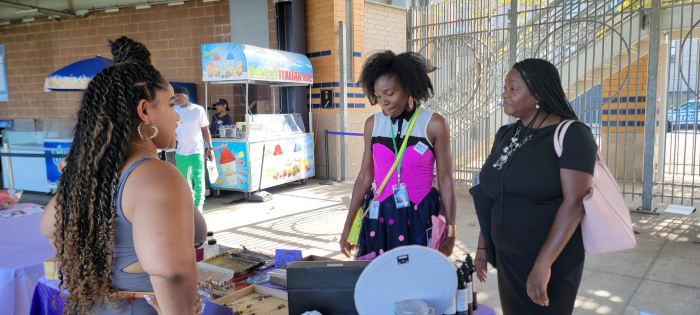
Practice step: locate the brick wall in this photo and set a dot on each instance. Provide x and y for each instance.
(322, 19)
(621, 130)
(385, 28)
(172, 34)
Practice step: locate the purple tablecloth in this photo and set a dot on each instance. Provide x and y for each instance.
(23, 251)
(42, 302)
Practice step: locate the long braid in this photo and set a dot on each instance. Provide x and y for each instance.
(85, 205)
(543, 81)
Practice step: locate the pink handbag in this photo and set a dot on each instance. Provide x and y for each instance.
(606, 225)
(438, 232)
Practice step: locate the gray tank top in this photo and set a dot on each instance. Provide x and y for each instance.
(124, 254)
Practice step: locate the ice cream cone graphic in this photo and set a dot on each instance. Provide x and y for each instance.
(228, 165)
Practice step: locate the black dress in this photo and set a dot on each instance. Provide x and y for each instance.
(528, 194)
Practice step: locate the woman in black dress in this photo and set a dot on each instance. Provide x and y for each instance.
(538, 197)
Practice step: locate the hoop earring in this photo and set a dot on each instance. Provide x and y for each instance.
(141, 135)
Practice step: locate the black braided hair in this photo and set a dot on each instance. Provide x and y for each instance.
(410, 68)
(543, 81)
(126, 49)
(85, 209)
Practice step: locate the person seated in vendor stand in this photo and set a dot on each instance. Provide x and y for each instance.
(402, 213)
(123, 221)
(221, 118)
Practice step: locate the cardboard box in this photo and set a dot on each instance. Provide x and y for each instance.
(278, 277)
(326, 287)
(268, 305)
(50, 269)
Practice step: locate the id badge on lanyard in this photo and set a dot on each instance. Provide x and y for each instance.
(400, 191)
(401, 196)
(374, 210)
(374, 205)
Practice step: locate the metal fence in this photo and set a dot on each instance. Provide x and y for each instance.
(615, 57)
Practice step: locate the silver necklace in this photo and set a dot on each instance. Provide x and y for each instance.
(514, 145)
(510, 149)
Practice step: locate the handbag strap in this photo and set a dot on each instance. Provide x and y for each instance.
(559, 138)
(559, 135)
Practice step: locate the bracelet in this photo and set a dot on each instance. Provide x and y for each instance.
(451, 231)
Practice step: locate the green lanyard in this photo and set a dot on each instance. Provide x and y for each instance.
(396, 150)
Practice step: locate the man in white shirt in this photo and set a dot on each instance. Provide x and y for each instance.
(192, 132)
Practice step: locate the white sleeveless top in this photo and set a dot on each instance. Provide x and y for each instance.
(382, 126)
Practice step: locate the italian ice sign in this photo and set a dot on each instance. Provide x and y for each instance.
(234, 62)
(55, 165)
(285, 160)
(222, 62)
(231, 164)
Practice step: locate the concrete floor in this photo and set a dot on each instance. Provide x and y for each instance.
(661, 276)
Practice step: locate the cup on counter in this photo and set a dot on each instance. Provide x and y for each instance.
(413, 307)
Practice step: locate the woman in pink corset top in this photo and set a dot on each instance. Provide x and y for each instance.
(399, 84)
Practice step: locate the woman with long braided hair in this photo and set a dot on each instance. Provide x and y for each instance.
(537, 196)
(121, 241)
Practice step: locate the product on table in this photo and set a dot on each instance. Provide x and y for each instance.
(242, 262)
(463, 296)
(470, 265)
(9, 198)
(211, 249)
(470, 283)
(228, 165)
(413, 307)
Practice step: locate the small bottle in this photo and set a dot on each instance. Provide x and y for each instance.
(470, 265)
(453, 307)
(211, 249)
(210, 235)
(470, 284)
(462, 293)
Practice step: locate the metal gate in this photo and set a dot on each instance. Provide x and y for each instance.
(614, 57)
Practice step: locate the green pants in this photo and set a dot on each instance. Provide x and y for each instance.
(192, 167)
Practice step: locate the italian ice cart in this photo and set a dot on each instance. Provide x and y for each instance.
(269, 149)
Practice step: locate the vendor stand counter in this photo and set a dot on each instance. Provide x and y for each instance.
(36, 172)
(273, 149)
(279, 152)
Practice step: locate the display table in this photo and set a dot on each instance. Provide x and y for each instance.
(42, 302)
(47, 289)
(23, 251)
(484, 310)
